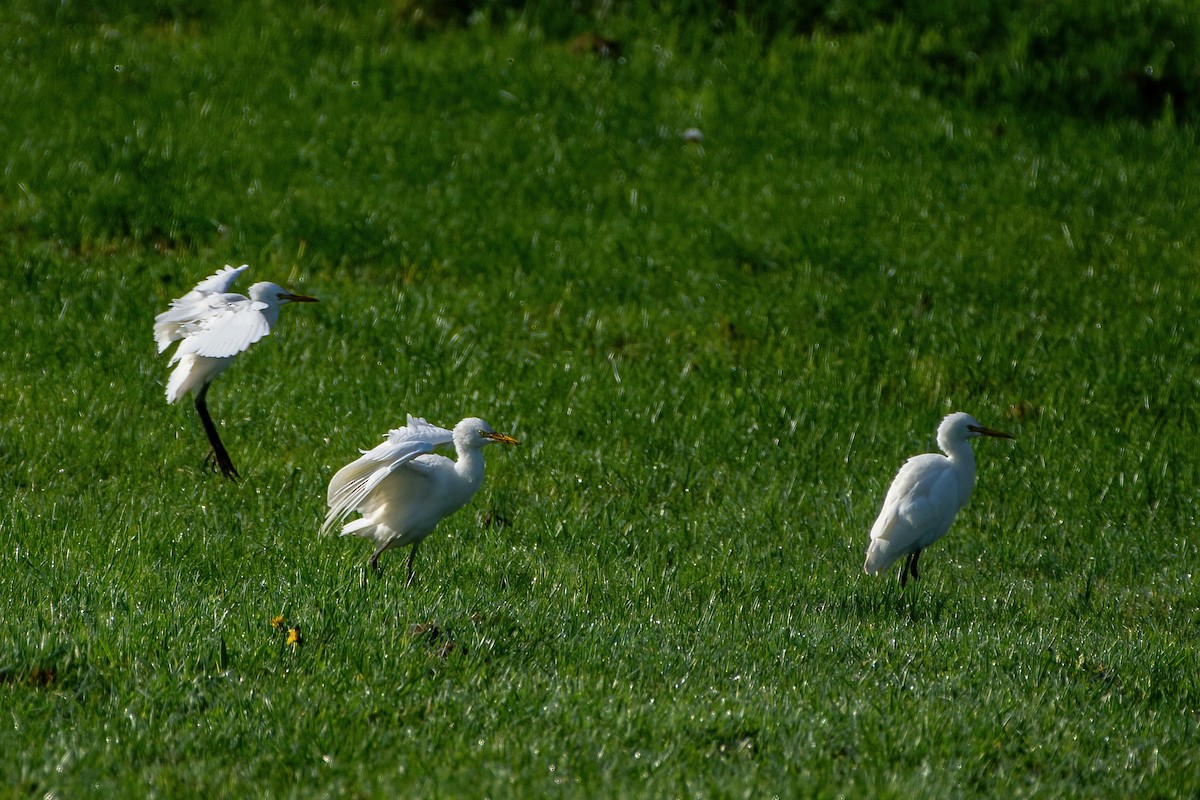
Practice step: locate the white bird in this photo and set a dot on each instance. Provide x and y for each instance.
(403, 489)
(212, 326)
(925, 496)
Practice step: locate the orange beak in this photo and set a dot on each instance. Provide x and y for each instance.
(500, 438)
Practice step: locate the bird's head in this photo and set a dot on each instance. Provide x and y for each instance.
(959, 427)
(275, 295)
(474, 432)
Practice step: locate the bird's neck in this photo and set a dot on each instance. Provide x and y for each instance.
(271, 314)
(962, 457)
(469, 465)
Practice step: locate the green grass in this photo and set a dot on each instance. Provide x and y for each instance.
(716, 354)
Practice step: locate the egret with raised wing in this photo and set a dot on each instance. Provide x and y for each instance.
(925, 496)
(212, 325)
(403, 489)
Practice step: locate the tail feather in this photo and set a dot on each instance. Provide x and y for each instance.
(179, 377)
(879, 557)
(192, 374)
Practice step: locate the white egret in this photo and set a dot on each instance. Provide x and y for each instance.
(403, 489)
(212, 325)
(925, 496)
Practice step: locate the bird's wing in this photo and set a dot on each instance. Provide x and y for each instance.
(354, 482)
(230, 325)
(921, 502)
(220, 281)
(185, 312)
(418, 428)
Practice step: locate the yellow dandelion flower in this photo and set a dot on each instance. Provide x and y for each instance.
(277, 621)
(293, 637)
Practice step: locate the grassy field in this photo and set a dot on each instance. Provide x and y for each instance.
(716, 354)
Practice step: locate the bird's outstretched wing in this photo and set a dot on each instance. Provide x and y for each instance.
(230, 324)
(418, 428)
(918, 509)
(354, 482)
(173, 324)
(220, 281)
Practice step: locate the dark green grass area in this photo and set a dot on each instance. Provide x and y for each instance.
(716, 354)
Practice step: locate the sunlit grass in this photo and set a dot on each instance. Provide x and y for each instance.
(716, 355)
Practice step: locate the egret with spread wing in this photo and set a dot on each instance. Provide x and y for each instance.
(212, 325)
(925, 496)
(403, 489)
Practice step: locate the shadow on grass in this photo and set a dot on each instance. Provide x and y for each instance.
(872, 601)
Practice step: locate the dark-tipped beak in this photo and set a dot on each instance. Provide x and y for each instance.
(500, 438)
(982, 431)
(297, 298)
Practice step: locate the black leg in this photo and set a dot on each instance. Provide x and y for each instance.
(412, 557)
(909, 567)
(219, 453)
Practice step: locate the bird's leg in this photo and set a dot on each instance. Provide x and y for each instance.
(912, 565)
(412, 556)
(375, 559)
(904, 570)
(219, 454)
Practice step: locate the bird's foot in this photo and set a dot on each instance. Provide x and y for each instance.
(220, 461)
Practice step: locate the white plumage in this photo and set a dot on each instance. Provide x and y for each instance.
(212, 325)
(185, 312)
(403, 489)
(925, 496)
